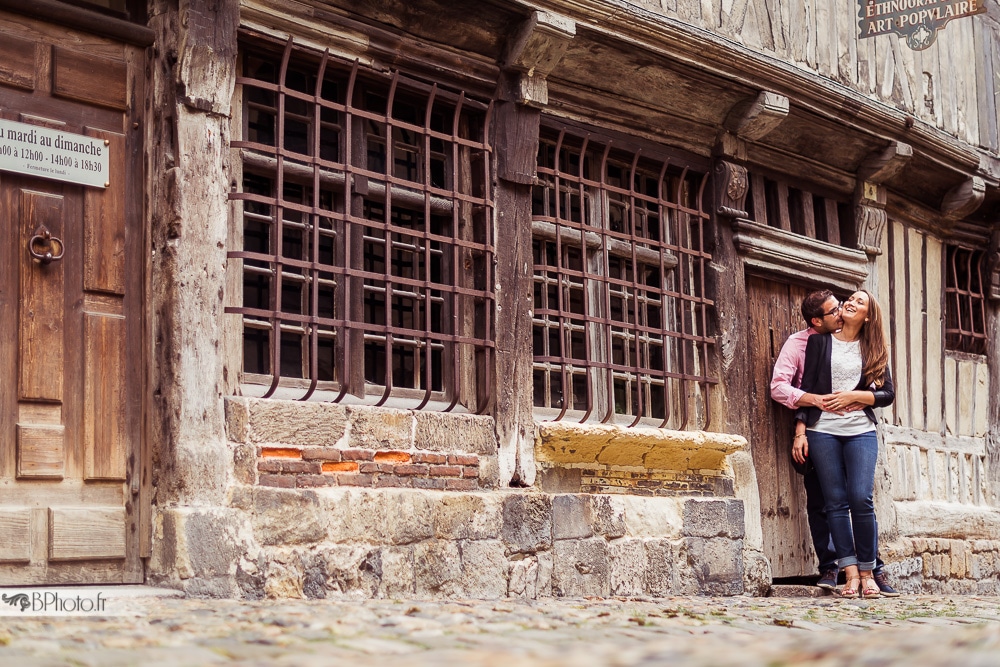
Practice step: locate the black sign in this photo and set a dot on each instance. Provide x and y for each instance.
(916, 20)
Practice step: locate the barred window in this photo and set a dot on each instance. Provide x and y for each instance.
(367, 234)
(781, 205)
(965, 302)
(621, 325)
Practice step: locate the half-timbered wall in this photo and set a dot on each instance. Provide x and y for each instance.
(821, 36)
(935, 432)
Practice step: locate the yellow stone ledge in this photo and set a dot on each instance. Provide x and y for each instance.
(650, 448)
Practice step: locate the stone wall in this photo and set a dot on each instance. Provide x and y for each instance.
(299, 523)
(929, 565)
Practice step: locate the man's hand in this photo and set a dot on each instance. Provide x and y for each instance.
(845, 401)
(820, 401)
(800, 448)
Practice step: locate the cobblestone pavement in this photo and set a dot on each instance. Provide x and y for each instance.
(912, 630)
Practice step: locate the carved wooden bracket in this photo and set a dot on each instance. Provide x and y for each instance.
(883, 165)
(751, 119)
(532, 53)
(731, 186)
(870, 222)
(963, 199)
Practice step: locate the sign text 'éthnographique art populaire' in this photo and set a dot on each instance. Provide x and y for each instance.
(917, 21)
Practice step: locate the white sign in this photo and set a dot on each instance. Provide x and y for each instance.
(46, 153)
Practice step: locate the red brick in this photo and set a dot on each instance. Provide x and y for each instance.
(300, 467)
(468, 471)
(392, 457)
(386, 467)
(369, 467)
(383, 481)
(354, 480)
(311, 481)
(428, 483)
(321, 453)
(446, 471)
(430, 458)
(463, 459)
(461, 484)
(281, 453)
(343, 466)
(270, 465)
(410, 470)
(280, 481)
(357, 455)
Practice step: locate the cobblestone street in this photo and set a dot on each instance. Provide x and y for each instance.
(913, 630)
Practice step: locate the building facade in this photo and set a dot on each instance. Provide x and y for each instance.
(389, 299)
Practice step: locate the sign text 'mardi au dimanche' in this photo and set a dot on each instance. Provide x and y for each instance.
(918, 21)
(47, 153)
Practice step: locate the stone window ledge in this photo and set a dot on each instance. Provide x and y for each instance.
(569, 444)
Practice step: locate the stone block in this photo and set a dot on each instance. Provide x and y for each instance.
(283, 516)
(437, 568)
(608, 516)
(659, 567)
(557, 479)
(580, 568)
(245, 463)
(445, 432)
(713, 518)
(527, 522)
(283, 575)
(409, 516)
(571, 517)
(468, 516)
(522, 577)
(959, 559)
(484, 569)
(717, 564)
(543, 584)
(380, 428)
(355, 515)
(398, 572)
(295, 422)
(756, 573)
(237, 419)
(489, 472)
(627, 567)
(199, 550)
(352, 570)
(659, 517)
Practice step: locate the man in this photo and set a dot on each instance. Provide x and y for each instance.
(821, 311)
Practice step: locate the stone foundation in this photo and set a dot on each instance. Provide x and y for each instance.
(306, 517)
(938, 565)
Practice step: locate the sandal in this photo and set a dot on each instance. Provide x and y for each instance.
(869, 588)
(851, 588)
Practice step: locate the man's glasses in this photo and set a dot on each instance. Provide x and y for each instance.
(834, 311)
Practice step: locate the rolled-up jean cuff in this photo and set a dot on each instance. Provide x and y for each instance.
(847, 561)
(866, 567)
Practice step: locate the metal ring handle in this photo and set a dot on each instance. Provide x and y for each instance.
(40, 247)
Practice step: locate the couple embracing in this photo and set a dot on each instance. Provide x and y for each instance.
(833, 374)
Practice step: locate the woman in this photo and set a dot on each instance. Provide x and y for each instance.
(849, 372)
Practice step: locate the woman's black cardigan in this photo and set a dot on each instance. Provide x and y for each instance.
(816, 380)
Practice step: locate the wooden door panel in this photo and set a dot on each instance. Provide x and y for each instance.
(91, 533)
(41, 451)
(104, 225)
(15, 535)
(105, 443)
(40, 336)
(773, 314)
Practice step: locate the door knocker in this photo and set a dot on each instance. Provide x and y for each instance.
(45, 248)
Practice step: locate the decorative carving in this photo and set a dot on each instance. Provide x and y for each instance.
(751, 119)
(533, 51)
(731, 186)
(993, 266)
(870, 223)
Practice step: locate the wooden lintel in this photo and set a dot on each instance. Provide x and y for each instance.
(882, 165)
(752, 119)
(539, 43)
(523, 88)
(963, 199)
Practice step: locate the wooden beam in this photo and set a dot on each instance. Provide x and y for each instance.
(963, 199)
(539, 43)
(882, 165)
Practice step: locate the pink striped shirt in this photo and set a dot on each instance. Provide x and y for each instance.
(787, 375)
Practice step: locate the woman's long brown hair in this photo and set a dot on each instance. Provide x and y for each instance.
(874, 352)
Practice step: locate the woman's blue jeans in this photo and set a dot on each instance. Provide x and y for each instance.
(845, 465)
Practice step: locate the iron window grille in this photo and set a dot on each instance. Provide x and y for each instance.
(367, 234)
(621, 328)
(965, 301)
(781, 205)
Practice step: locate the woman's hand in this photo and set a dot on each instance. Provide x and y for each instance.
(800, 448)
(846, 401)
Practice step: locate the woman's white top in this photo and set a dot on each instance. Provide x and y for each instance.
(845, 374)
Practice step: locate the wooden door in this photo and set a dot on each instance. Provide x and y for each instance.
(71, 352)
(773, 311)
